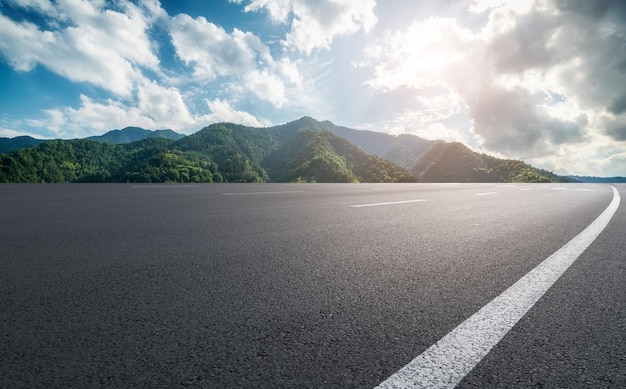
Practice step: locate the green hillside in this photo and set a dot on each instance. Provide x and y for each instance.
(321, 156)
(7, 145)
(304, 150)
(148, 160)
(222, 152)
(455, 162)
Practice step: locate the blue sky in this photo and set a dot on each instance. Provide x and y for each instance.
(537, 80)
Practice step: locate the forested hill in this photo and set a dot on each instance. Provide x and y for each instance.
(304, 150)
(222, 152)
(133, 134)
(20, 142)
(455, 162)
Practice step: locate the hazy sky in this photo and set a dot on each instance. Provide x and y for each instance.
(543, 81)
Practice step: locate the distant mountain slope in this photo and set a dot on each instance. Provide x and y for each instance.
(221, 152)
(125, 135)
(302, 150)
(455, 162)
(402, 149)
(7, 145)
(322, 156)
(406, 149)
(133, 134)
(590, 179)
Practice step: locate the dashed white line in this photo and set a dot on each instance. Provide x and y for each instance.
(387, 203)
(485, 194)
(446, 362)
(578, 189)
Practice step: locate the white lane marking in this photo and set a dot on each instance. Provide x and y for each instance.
(485, 194)
(446, 362)
(260, 193)
(578, 189)
(388, 203)
(526, 189)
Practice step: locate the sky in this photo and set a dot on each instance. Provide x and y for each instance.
(543, 81)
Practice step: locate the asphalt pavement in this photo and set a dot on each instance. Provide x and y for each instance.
(299, 285)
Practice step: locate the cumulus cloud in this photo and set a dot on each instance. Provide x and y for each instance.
(533, 79)
(212, 51)
(222, 111)
(95, 45)
(241, 57)
(315, 23)
(156, 107)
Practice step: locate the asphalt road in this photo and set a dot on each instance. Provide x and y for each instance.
(298, 285)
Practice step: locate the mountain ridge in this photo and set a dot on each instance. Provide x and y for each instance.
(304, 150)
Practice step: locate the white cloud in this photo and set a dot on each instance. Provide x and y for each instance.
(266, 86)
(97, 45)
(211, 50)
(98, 117)
(157, 107)
(164, 106)
(540, 79)
(222, 111)
(315, 23)
(240, 59)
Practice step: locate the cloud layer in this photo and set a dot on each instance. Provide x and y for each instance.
(536, 79)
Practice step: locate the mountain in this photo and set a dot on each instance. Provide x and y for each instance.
(322, 156)
(305, 150)
(590, 179)
(133, 134)
(222, 152)
(125, 135)
(455, 162)
(402, 149)
(9, 144)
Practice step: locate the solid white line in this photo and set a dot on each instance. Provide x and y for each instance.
(389, 203)
(485, 194)
(446, 362)
(259, 193)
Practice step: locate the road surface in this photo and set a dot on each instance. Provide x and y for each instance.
(301, 285)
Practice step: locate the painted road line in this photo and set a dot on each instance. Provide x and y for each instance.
(578, 189)
(388, 203)
(446, 362)
(485, 194)
(526, 189)
(260, 193)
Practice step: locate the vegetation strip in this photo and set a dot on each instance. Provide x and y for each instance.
(446, 362)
